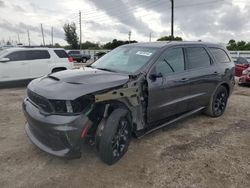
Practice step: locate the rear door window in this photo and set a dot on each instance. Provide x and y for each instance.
(38, 54)
(17, 56)
(61, 53)
(197, 57)
(220, 55)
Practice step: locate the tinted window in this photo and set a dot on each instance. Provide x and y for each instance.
(17, 56)
(61, 53)
(74, 52)
(171, 61)
(220, 55)
(37, 54)
(197, 57)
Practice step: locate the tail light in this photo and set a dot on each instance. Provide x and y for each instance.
(70, 59)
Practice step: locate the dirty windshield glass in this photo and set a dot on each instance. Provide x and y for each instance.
(125, 59)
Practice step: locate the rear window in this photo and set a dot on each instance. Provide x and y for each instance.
(61, 53)
(220, 55)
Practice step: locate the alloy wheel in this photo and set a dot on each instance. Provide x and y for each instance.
(121, 138)
(220, 102)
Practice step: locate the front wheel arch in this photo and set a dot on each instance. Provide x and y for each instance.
(112, 133)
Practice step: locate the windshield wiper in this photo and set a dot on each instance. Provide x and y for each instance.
(104, 69)
(169, 64)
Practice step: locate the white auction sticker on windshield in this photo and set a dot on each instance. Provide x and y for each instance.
(144, 53)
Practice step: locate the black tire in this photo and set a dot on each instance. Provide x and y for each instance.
(218, 102)
(115, 138)
(84, 60)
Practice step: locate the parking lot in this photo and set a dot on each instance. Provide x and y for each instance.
(197, 152)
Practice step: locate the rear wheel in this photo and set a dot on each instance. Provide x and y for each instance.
(218, 102)
(84, 60)
(115, 138)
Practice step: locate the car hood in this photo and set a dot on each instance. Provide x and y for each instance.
(71, 84)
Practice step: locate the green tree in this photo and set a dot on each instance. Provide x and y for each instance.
(115, 43)
(169, 38)
(232, 45)
(71, 35)
(241, 45)
(247, 46)
(57, 45)
(90, 45)
(232, 41)
(238, 45)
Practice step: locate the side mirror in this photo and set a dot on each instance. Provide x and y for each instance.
(153, 77)
(3, 60)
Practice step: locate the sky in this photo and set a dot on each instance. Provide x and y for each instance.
(103, 20)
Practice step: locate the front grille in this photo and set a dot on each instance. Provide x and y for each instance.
(40, 101)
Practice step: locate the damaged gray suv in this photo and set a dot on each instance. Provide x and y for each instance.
(133, 90)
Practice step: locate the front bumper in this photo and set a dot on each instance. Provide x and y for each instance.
(55, 134)
(245, 79)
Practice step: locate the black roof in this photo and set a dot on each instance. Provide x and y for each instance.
(160, 44)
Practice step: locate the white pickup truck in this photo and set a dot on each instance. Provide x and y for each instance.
(20, 64)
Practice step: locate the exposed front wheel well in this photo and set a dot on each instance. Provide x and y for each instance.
(103, 109)
(57, 69)
(116, 104)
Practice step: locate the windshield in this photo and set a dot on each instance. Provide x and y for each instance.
(126, 59)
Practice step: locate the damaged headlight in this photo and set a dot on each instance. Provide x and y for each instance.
(78, 105)
(82, 104)
(59, 106)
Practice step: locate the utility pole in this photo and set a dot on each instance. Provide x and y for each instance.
(129, 36)
(172, 18)
(42, 34)
(150, 37)
(18, 37)
(80, 22)
(28, 32)
(52, 42)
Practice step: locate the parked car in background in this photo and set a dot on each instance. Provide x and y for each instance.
(245, 77)
(236, 54)
(78, 56)
(20, 64)
(134, 89)
(99, 55)
(241, 64)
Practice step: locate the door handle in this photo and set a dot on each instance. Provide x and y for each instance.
(184, 79)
